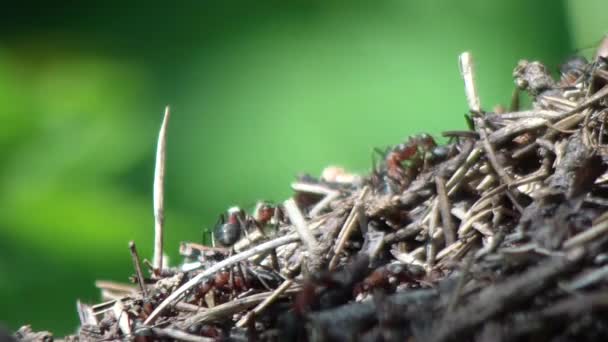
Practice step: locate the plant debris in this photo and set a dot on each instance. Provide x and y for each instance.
(500, 234)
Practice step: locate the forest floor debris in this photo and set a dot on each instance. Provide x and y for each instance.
(499, 234)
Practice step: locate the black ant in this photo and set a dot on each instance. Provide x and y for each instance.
(229, 227)
(235, 223)
(573, 70)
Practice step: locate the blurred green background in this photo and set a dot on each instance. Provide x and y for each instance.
(259, 93)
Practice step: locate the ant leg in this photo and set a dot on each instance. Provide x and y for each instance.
(243, 275)
(243, 227)
(231, 284)
(514, 107)
(275, 261)
(259, 278)
(257, 227)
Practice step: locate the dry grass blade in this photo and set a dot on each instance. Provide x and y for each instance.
(159, 191)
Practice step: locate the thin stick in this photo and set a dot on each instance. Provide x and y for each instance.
(261, 248)
(86, 314)
(137, 265)
(453, 182)
(159, 192)
(431, 249)
(265, 303)
(329, 195)
(467, 71)
(230, 308)
(446, 217)
(124, 323)
(114, 286)
(297, 219)
(347, 229)
(453, 302)
(588, 235)
(179, 335)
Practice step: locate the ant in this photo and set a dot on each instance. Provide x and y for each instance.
(229, 227)
(236, 222)
(575, 68)
(403, 162)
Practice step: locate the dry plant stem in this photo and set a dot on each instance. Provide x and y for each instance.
(230, 308)
(497, 298)
(159, 192)
(265, 303)
(588, 235)
(297, 219)
(587, 279)
(179, 335)
(446, 216)
(188, 307)
(114, 286)
(599, 95)
(491, 155)
(453, 182)
(467, 71)
(432, 227)
(86, 314)
(187, 248)
(566, 122)
(347, 228)
(470, 222)
(261, 248)
(462, 280)
(525, 114)
(329, 195)
(123, 318)
(137, 266)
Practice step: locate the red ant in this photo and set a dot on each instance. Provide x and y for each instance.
(239, 278)
(403, 162)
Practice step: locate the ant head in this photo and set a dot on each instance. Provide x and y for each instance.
(426, 141)
(235, 215)
(264, 211)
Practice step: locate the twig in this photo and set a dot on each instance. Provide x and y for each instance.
(446, 216)
(230, 308)
(191, 248)
(114, 286)
(568, 119)
(462, 280)
(588, 235)
(497, 298)
(328, 195)
(431, 249)
(159, 192)
(137, 266)
(587, 279)
(297, 219)
(347, 229)
(122, 317)
(86, 314)
(261, 248)
(177, 335)
(469, 223)
(265, 303)
(453, 182)
(467, 71)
